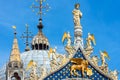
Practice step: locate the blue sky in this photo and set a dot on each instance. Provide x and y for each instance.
(100, 17)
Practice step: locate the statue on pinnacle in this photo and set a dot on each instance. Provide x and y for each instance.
(77, 14)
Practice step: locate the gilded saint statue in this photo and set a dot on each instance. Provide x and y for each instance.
(77, 14)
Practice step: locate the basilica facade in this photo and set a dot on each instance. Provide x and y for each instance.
(43, 62)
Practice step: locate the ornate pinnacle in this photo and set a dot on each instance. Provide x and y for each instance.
(15, 53)
(40, 26)
(42, 8)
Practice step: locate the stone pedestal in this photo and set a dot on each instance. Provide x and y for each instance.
(78, 41)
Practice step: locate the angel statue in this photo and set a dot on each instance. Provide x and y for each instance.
(33, 75)
(77, 14)
(69, 48)
(104, 66)
(90, 39)
(53, 63)
(104, 55)
(57, 59)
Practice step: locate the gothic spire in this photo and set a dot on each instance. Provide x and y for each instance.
(15, 53)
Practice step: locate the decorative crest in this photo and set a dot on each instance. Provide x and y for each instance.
(27, 36)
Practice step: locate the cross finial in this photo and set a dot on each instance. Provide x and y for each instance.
(27, 35)
(42, 8)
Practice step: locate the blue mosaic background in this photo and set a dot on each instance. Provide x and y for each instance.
(64, 72)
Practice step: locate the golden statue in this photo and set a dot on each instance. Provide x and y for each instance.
(69, 48)
(31, 64)
(104, 66)
(51, 51)
(80, 64)
(104, 55)
(90, 39)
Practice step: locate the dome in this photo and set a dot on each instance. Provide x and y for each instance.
(40, 42)
(39, 56)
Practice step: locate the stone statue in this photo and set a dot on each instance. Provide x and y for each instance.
(95, 60)
(114, 74)
(57, 60)
(77, 15)
(53, 61)
(63, 60)
(53, 65)
(43, 72)
(33, 74)
(33, 66)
